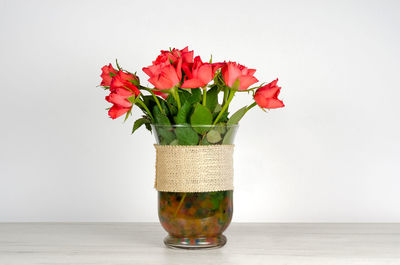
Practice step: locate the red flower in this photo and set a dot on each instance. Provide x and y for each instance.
(166, 70)
(115, 111)
(232, 71)
(173, 56)
(105, 75)
(267, 96)
(216, 66)
(165, 75)
(167, 58)
(121, 88)
(198, 74)
(121, 83)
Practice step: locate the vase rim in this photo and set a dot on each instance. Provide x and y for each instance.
(188, 125)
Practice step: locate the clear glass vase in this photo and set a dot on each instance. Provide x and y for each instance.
(195, 220)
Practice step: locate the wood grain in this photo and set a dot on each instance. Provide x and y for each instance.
(141, 243)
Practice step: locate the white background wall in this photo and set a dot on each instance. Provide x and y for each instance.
(332, 155)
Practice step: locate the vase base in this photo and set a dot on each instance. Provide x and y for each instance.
(195, 243)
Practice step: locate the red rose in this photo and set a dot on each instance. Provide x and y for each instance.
(173, 56)
(166, 70)
(216, 66)
(115, 111)
(198, 74)
(105, 75)
(121, 83)
(232, 71)
(169, 57)
(165, 76)
(121, 88)
(267, 96)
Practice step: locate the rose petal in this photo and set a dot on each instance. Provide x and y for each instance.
(270, 103)
(116, 111)
(161, 82)
(245, 81)
(193, 83)
(205, 73)
(230, 72)
(119, 100)
(251, 71)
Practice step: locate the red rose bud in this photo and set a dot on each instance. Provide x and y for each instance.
(267, 96)
(120, 84)
(198, 74)
(120, 90)
(232, 71)
(115, 111)
(106, 76)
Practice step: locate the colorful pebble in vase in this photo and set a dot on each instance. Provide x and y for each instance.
(195, 219)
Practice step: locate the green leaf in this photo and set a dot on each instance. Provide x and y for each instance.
(214, 136)
(235, 118)
(131, 99)
(221, 128)
(223, 118)
(183, 113)
(159, 117)
(228, 138)
(148, 127)
(172, 109)
(127, 114)
(174, 142)
(217, 108)
(201, 116)
(116, 62)
(165, 108)
(212, 98)
(170, 99)
(166, 132)
(196, 96)
(183, 95)
(186, 136)
(135, 82)
(149, 101)
(138, 123)
(236, 85)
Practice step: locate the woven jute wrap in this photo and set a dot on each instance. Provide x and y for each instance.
(201, 168)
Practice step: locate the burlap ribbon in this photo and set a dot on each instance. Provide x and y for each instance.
(200, 168)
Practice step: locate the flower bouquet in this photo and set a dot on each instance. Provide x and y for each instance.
(187, 109)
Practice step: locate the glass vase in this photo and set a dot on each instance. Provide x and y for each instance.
(195, 220)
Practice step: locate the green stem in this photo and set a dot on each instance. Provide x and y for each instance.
(225, 107)
(247, 90)
(175, 94)
(156, 100)
(145, 87)
(204, 95)
(145, 107)
(226, 93)
(251, 106)
(180, 204)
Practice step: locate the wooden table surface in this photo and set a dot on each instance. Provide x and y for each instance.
(141, 243)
